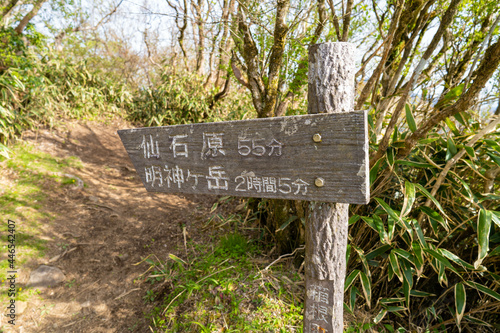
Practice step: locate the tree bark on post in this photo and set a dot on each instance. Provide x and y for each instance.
(331, 90)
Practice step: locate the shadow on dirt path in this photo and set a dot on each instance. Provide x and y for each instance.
(101, 233)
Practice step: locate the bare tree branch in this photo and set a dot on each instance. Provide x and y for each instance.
(27, 18)
(446, 21)
(7, 10)
(484, 72)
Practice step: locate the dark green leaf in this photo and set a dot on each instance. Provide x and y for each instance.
(470, 151)
(483, 235)
(388, 209)
(484, 289)
(419, 258)
(284, 225)
(396, 308)
(418, 293)
(374, 171)
(353, 219)
(377, 252)
(393, 261)
(391, 300)
(409, 119)
(452, 126)
(495, 252)
(434, 201)
(402, 253)
(495, 158)
(442, 278)
(456, 259)
(493, 144)
(434, 218)
(407, 272)
(369, 221)
(352, 297)
(460, 298)
(439, 257)
(420, 233)
(459, 118)
(367, 288)
(378, 318)
(427, 140)
(495, 216)
(451, 149)
(414, 164)
(350, 279)
(477, 321)
(377, 221)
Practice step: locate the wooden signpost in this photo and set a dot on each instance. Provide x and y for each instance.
(313, 157)
(321, 157)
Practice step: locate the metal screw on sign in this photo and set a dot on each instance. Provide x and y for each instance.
(319, 182)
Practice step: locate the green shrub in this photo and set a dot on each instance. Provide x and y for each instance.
(428, 257)
(38, 86)
(180, 98)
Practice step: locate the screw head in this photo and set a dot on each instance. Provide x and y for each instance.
(319, 182)
(317, 137)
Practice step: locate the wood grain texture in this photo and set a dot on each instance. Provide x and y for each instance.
(266, 158)
(331, 89)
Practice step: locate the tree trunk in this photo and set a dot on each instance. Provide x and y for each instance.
(200, 48)
(331, 90)
(27, 18)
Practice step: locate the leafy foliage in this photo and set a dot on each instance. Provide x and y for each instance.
(417, 248)
(180, 98)
(39, 86)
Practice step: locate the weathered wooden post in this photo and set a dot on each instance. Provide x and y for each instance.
(331, 90)
(320, 157)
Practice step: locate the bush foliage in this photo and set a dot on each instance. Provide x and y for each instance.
(180, 98)
(39, 86)
(427, 247)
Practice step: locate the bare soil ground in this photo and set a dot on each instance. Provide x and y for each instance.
(101, 233)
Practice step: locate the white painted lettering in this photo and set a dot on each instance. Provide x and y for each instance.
(269, 184)
(239, 187)
(195, 176)
(283, 187)
(257, 149)
(179, 148)
(150, 147)
(275, 144)
(243, 149)
(300, 183)
(212, 145)
(217, 179)
(153, 174)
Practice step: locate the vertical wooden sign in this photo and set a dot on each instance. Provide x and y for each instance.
(331, 90)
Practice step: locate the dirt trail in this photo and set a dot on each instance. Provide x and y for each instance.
(100, 233)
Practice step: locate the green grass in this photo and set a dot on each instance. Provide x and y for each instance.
(27, 179)
(219, 287)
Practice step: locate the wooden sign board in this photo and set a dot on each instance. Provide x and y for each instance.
(322, 157)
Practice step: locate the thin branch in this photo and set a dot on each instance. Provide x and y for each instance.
(446, 21)
(485, 41)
